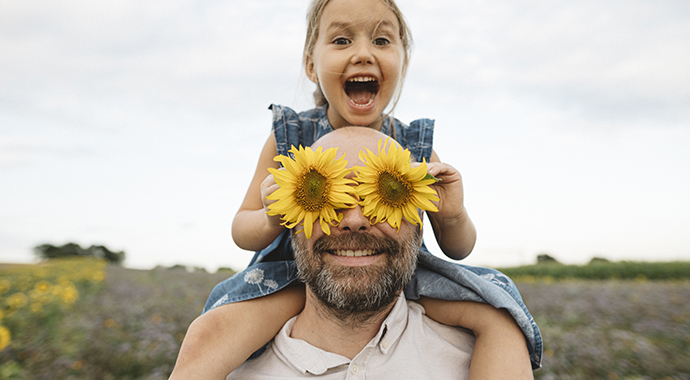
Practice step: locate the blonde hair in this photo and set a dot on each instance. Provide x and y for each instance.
(314, 17)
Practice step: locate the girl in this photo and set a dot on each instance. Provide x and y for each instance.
(356, 52)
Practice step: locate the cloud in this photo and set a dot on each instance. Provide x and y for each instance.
(153, 63)
(18, 152)
(145, 64)
(170, 97)
(601, 60)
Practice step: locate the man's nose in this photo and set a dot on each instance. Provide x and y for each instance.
(354, 220)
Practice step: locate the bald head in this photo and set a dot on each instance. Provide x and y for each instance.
(350, 141)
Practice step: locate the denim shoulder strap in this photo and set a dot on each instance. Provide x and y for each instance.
(294, 129)
(418, 137)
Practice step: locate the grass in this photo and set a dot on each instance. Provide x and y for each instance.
(128, 324)
(630, 270)
(613, 329)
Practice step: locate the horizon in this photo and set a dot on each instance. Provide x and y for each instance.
(137, 125)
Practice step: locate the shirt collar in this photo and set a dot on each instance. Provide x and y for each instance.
(306, 358)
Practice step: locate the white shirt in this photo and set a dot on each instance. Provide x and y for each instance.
(409, 345)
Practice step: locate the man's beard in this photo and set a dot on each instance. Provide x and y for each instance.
(357, 292)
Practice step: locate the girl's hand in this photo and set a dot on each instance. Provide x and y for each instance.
(454, 231)
(450, 191)
(268, 186)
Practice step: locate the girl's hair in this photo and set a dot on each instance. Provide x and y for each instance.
(314, 17)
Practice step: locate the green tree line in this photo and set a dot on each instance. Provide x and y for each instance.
(49, 251)
(602, 269)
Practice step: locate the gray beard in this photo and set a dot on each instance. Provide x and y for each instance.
(356, 292)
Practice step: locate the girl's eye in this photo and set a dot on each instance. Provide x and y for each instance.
(381, 41)
(341, 41)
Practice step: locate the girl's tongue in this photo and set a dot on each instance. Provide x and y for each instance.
(362, 93)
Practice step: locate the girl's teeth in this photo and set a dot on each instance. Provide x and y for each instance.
(365, 104)
(362, 79)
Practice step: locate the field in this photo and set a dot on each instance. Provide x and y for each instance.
(86, 320)
(612, 329)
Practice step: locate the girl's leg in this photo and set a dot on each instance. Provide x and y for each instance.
(221, 339)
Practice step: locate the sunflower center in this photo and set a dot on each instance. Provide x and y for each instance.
(394, 189)
(312, 190)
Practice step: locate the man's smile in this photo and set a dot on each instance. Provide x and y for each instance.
(355, 257)
(354, 252)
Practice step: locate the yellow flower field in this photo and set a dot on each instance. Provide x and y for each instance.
(83, 320)
(33, 296)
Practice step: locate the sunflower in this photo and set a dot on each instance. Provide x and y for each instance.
(312, 186)
(390, 188)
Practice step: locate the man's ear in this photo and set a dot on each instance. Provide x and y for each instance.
(310, 69)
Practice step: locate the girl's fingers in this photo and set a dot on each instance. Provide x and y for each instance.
(439, 169)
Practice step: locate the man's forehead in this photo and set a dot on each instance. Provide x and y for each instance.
(350, 141)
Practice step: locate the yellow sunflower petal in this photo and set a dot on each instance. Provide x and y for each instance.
(411, 215)
(390, 188)
(325, 227)
(308, 224)
(395, 219)
(419, 172)
(312, 185)
(424, 204)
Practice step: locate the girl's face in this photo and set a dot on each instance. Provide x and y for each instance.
(357, 60)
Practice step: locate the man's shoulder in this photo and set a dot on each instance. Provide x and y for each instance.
(458, 337)
(263, 367)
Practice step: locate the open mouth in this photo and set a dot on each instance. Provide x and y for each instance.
(362, 90)
(354, 252)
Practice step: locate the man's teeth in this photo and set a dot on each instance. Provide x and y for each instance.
(362, 79)
(354, 253)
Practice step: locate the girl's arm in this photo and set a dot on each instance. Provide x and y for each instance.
(252, 229)
(453, 228)
(500, 349)
(218, 341)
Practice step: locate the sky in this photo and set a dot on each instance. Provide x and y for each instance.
(138, 124)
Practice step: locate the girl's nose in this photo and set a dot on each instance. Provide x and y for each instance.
(363, 54)
(354, 220)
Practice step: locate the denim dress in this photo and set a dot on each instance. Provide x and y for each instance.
(273, 268)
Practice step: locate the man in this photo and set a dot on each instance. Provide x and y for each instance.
(356, 322)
